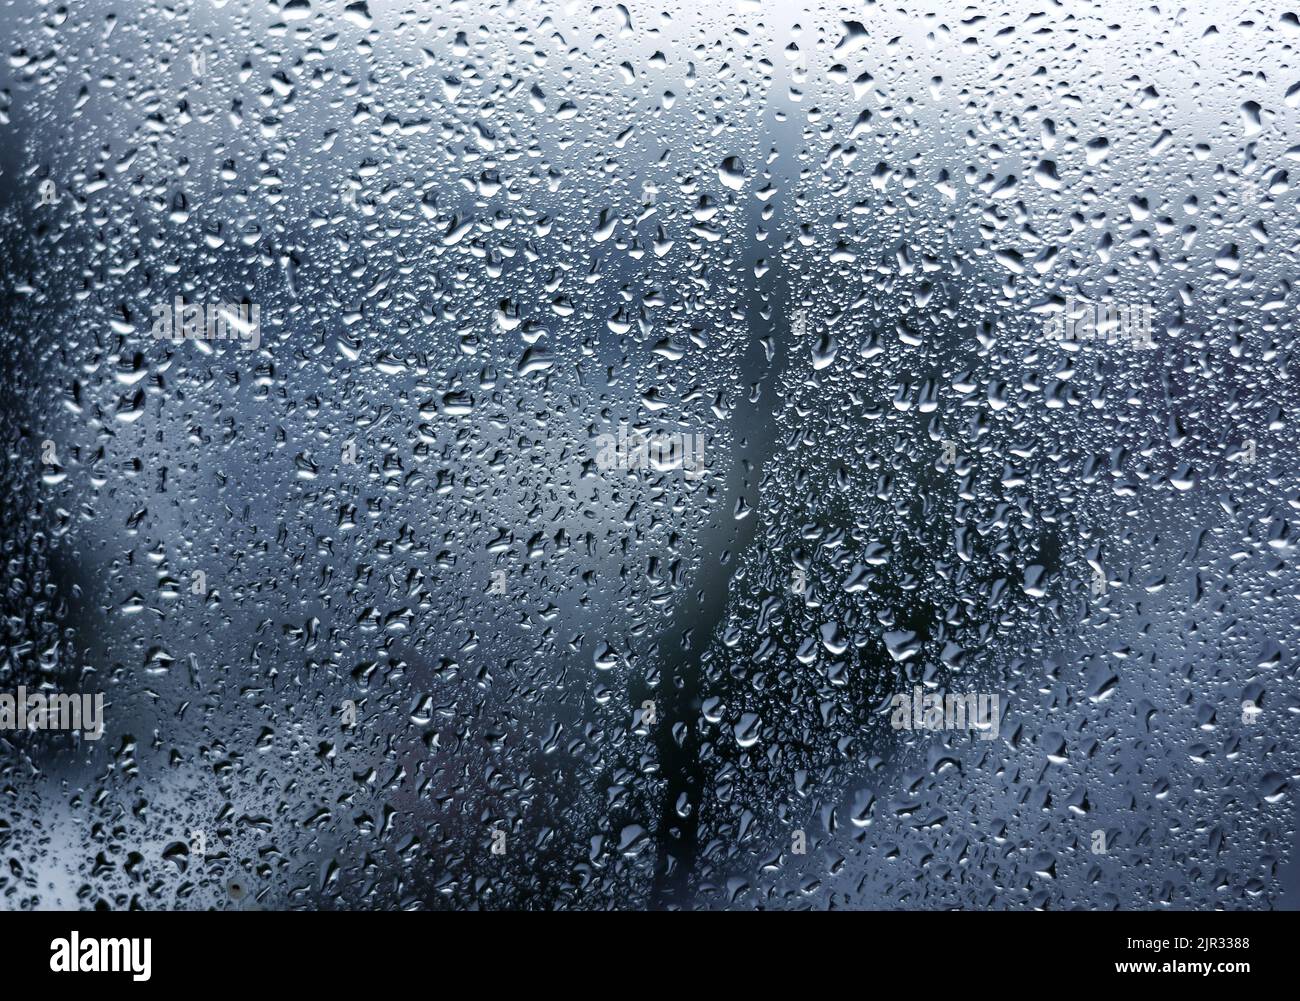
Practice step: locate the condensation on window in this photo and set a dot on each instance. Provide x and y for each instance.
(586, 456)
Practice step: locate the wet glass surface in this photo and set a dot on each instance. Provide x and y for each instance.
(587, 456)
